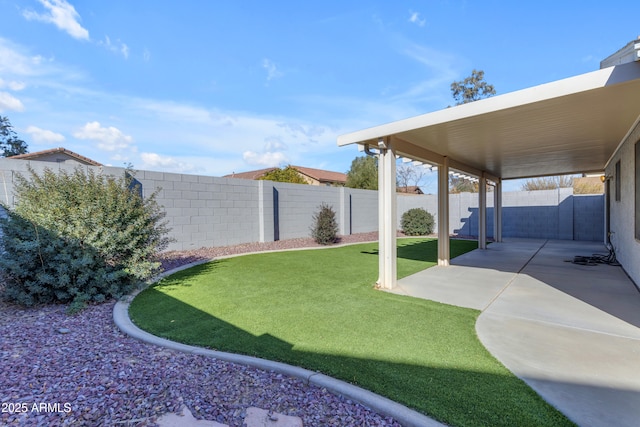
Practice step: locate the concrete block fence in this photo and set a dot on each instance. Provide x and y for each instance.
(209, 211)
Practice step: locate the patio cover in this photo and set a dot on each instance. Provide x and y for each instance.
(567, 126)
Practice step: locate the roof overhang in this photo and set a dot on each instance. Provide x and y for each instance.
(567, 126)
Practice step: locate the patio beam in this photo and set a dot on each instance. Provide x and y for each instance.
(406, 149)
(412, 151)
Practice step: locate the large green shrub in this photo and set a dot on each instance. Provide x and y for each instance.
(79, 237)
(417, 222)
(325, 227)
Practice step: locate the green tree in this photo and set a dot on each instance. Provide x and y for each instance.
(363, 173)
(10, 144)
(325, 228)
(472, 88)
(461, 185)
(287, 174)
(79, 237)
(547, 183)
(417, 222)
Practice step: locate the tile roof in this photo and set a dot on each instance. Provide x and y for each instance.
(37, 154)
(322, 175)
(411, 189)
(250, 174)
(317, 174)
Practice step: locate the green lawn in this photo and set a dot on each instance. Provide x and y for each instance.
(317, 309)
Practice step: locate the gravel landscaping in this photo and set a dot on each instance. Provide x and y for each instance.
(171, 260)
(81, 370)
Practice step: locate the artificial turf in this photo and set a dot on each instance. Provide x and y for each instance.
(318, 309)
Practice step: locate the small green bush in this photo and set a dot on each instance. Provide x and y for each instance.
(417, 222)
(79, 237)
(325, 228)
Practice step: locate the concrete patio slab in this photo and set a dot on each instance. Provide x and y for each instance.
(572, 332)
(473, 280)
(591, 377)
(469, 287)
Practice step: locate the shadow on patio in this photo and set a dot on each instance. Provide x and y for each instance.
(570, 331)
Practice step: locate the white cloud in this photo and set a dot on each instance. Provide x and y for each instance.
(440, 69)
(146, 55)
(10, 103)
(297, 130)
(63, 15)
(176, 112)
(272, 69)
(21, 69)
(14, 62)
(415, 18)
(43, 135)
(12, 85)
(269, 159)
(117, 47)
(156, 161)
(108, 138)
(274, 144)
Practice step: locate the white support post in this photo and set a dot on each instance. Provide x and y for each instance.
(497, 212)
(382, 226)
(482, 212)
(443, 213)
(387, 216)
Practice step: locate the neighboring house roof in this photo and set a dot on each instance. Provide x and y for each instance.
(43, 155)
(319, 175)
(411, 189)
(322, 175)
(256, 174)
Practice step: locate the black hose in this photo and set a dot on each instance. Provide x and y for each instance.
(595, 259)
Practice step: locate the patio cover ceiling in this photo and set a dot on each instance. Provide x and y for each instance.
(568, 126)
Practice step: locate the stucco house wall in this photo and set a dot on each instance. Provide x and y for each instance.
(624, 211)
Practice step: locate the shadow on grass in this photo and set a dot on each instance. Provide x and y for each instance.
(427, 250)
(175, 281)
(448, 394)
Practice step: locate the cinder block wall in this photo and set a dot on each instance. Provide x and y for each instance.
(546, 214)
(204, 210)
(588, 217)
(207, 211)
(297, 205)
(359, 211)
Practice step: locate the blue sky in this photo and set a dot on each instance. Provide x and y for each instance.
(215, 87)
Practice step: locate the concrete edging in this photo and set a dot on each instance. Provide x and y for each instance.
(405, 416)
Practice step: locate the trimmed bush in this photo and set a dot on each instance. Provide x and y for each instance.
(79, 237)
(417, 222)
(325, 229)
